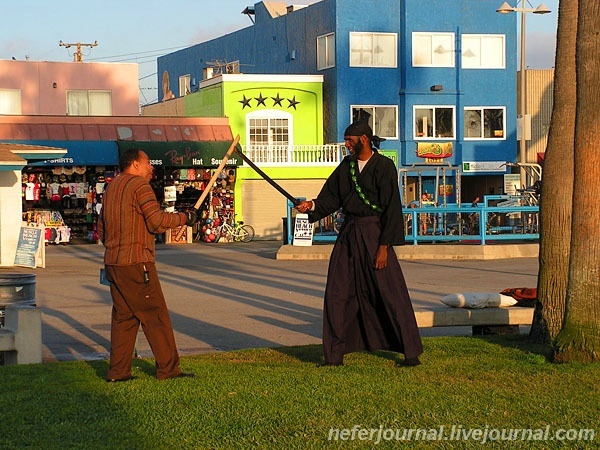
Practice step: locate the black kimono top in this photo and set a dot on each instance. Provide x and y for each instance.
(379, 182)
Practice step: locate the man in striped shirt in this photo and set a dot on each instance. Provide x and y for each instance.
(129, 220)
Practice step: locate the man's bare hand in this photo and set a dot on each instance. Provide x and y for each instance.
(381, 258)
(305, 205)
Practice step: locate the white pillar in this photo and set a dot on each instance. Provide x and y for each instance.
(10, 215)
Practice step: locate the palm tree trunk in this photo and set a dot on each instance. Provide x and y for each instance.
(579, 339)
(557, 185)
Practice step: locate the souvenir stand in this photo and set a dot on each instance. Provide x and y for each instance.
(181, 188)
(68, 198)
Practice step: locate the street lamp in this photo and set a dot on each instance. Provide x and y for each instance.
(505, 8)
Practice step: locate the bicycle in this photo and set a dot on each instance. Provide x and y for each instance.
(235, 232)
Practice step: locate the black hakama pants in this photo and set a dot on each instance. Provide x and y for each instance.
(366, 309)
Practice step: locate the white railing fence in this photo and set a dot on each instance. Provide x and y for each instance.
(294, 155)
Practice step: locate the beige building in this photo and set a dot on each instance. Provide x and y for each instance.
(539, 91)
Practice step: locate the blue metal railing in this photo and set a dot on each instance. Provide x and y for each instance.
(450, 223)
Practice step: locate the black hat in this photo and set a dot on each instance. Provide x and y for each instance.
(359, 128)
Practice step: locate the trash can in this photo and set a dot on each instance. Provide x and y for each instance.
(16, 288)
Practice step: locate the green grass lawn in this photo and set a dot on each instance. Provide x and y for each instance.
(280, 399)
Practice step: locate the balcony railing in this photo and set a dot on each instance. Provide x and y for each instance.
(294, 155)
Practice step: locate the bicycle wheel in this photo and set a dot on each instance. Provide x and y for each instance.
(244, 234)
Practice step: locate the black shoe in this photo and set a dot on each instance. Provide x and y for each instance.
(118, 380)
(182, 375)
(410, 362)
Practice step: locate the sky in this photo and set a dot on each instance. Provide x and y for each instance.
(139, 31)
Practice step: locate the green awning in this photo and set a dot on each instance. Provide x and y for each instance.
(183, 153)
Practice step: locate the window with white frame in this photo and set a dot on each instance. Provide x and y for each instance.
(269, 135)
(432, 49)
(484, 123)
(483, 51)
(184, 85)
(373, 50)
(10, 101)
(89, 103)
(326, 51)
(383, 120)
(434, 122)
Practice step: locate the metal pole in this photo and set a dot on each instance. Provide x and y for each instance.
(523, 99)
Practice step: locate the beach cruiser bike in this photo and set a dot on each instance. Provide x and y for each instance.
(234, 231)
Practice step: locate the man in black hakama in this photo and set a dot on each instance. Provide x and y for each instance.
(367, 304)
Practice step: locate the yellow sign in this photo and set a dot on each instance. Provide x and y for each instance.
(435, 150)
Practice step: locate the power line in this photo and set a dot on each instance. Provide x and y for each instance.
(139, 53)
(148, 76)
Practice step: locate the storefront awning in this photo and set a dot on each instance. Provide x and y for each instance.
(183, 153)
(80, 153)
(90, 140)
(15, 156)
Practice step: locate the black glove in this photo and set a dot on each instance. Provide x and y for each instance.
(192, 218)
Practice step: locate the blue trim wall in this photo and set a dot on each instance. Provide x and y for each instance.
(267, 47)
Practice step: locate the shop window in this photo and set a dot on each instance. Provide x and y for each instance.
(483, 51)
(383, 120)
(373, 50)
(484, 123)
(434, 122)
(433, 49)
(10, 101)
(89, 103)
(326, 51)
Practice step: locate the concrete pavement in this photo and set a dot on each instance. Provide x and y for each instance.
(234, 296)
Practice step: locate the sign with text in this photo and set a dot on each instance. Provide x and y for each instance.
(434, 150)
(484, 166)
(303, 231)
(392, 154)
(183, 153)
(512, 182)
(29, 247)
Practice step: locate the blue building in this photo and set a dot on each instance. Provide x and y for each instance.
(435, 78)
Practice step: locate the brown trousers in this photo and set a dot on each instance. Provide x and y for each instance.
(138, 302)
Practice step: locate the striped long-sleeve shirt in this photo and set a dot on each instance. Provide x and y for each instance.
(129, 219)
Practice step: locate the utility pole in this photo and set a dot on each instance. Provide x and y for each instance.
(77, 56)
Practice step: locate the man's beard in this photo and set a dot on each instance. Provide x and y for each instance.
(358, 148)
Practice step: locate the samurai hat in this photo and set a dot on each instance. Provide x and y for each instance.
(359, 128)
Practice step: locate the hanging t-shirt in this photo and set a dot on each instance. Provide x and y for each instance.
(29, 191)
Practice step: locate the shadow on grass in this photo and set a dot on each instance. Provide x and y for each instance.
(314, 354)
(304, 353)
(521, 342)
(139, 365)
